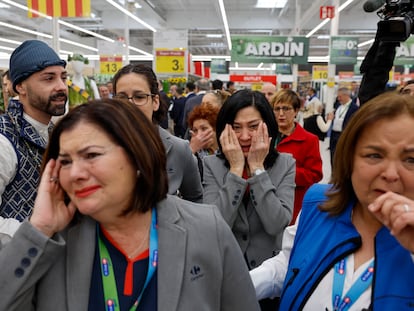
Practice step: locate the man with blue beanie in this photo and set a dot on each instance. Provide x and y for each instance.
(39, 77)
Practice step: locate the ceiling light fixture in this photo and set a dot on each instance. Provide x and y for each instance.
(6, 48)
(40, 34)
(327, 20)
(10, 41)
(366, 43)
(86, 31)
(139, 51)
(126, 12)
(214, 35)
(271, 4)
(68, 24)
(226, 25)
(79, 44)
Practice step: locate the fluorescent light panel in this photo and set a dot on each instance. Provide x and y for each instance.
(271, 4)
(126, 12)
(325, 21)
(226, 24)
(214, 35)
(25, 8)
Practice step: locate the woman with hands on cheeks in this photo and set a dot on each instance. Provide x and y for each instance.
(248, 180)
(353, 243)
(104, 233)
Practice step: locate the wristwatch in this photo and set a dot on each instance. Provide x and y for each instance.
(258, 171)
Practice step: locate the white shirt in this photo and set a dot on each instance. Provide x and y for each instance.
(269, 277)
(8, 226)
(340, 114)
(323, 126)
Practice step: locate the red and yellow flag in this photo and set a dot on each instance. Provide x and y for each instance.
(60, 8)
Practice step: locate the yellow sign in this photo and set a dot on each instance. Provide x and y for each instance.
(319, 72)
(170, 61)
(110, 64)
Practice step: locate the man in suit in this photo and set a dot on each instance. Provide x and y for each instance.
(202, 86)
(342, 116)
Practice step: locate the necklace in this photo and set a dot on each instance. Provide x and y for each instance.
(132, 254)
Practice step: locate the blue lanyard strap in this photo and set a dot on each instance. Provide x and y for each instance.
(342, 302)
(107, 271)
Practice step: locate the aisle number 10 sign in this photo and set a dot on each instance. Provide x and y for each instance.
(170, 61)
(319, 72)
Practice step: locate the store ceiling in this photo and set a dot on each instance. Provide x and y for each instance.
(201, 18)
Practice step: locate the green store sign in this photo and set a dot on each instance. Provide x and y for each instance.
(344, 50)
(267, 49)
(405, 53)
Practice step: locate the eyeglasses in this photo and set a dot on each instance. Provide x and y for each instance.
(138, 99)
(283, 108)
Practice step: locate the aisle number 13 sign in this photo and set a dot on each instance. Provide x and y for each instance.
(110, 64)
(169, 61)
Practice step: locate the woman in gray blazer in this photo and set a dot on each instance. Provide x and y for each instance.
(138, 84)
(104, 234)
(249, 181)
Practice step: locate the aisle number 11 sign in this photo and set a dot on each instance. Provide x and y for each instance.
(171, 61)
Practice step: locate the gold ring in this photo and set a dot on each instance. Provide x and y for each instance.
(54, 179)
(406, 208)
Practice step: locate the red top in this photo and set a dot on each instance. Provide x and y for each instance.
(304, 147)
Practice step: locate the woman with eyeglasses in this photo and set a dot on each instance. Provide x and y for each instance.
(139, 85)
(301, 144)
(250, 182)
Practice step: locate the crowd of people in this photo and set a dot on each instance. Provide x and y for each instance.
(105, 205)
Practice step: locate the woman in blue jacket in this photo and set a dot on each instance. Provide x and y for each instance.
(351, 248)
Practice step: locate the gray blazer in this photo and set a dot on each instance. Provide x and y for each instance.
(258, 226)
(54, 274)
(183, 175)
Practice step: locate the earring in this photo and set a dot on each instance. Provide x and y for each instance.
(138, 173)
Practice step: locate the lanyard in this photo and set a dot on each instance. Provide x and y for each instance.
(344, 110)
(340, 302)
(107, 271)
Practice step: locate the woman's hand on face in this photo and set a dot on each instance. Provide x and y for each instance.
(50, 213)
(232, 150)
(259, 148)
(396, 212)
(203, 140)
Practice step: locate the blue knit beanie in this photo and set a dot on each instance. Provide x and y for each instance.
(30, 57)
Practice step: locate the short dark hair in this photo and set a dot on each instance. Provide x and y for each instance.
(190, 86)
(229, 83)
(6, 74)
(217, 84)
(243, 99)
(149, 75)
(128, 127)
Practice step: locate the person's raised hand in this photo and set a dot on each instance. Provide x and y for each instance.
(259, 148)
(232, 150)
(50, 213)
(396, 212)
